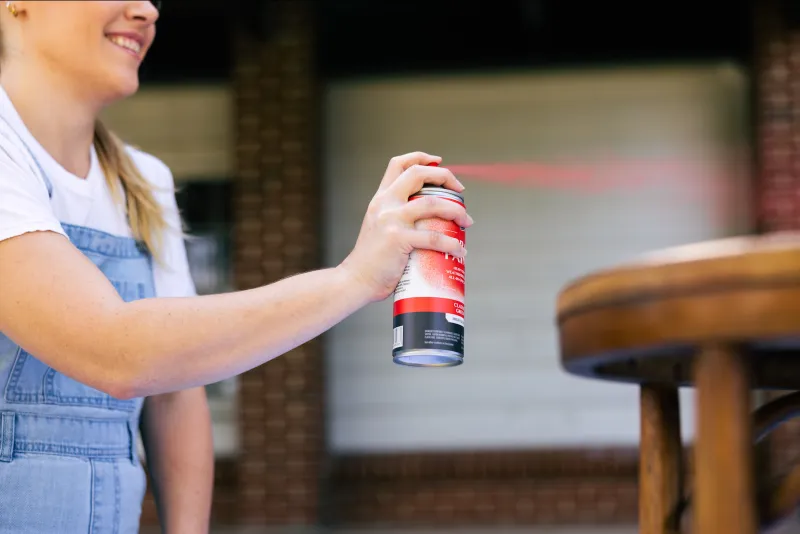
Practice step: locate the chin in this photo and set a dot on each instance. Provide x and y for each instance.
(122, 88)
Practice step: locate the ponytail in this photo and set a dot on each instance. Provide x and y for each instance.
(144, 213)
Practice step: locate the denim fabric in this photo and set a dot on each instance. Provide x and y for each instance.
(68, 461)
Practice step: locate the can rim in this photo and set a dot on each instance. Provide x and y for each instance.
(441, 191)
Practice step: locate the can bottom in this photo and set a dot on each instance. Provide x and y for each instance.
(428, 358)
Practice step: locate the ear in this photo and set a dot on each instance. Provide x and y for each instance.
(16, 7)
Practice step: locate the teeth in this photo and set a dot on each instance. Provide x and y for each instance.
(124, 42)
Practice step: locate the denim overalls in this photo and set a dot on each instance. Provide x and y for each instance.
(68, 461)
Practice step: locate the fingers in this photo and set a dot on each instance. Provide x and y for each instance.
(413, 178)
(399, 164)
(430, 240)
(428, 207)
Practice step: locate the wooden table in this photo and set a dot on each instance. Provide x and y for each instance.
(723, 317)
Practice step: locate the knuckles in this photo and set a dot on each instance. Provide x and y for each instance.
(432, 203)
(416, 155)
(411, 156)
(375, 207)
(393, 232)
(385, 217)
(415, 171)
(435, 239)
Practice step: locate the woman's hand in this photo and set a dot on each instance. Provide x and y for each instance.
(388, 233)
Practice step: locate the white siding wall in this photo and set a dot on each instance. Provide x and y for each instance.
(527, 242)
(189, 127)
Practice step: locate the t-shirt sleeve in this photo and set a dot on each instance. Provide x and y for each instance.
(24, 201)
(177, 276)
(173, 277)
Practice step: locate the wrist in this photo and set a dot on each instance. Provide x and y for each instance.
(351, 283)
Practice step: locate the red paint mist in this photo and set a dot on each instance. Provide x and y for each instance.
(691, 181)
(592, 176)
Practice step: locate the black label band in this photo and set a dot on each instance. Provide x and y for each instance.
(424, 330)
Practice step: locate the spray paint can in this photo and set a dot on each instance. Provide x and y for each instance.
(429, 299)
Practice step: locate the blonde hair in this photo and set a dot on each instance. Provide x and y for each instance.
(144, 213)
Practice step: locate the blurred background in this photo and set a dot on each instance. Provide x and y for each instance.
(585, 132)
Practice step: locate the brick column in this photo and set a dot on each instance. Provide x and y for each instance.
(777, 137)
(276, 210)
(777, 84)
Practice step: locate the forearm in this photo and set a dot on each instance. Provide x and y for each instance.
(156, 345)
(176, 431)
(170, 344)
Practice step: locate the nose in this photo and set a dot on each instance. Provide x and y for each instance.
(143, 11)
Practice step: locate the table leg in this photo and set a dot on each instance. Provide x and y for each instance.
(724, 496)
(660, 459)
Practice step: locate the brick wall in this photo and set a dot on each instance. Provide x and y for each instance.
(276, 213)
(486, 488)
(276, 477)
(777, 86)
(777, 117)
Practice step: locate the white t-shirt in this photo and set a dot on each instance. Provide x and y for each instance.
(25, 205)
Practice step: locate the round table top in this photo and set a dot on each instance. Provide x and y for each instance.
(643, 321)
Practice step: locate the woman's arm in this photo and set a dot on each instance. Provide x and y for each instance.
(58, 306)
(62, 309)
(176, 431)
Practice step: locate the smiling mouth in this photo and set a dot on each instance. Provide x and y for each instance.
(128, 44)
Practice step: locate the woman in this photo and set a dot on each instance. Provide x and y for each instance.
(95, 323)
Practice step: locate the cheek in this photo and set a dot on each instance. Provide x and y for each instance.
(69, 37)
(86, 59)
(72, 49)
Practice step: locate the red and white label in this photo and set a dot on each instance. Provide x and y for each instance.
(433, 281)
